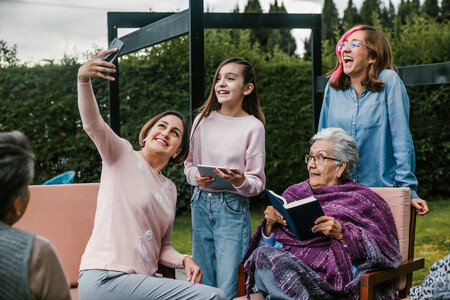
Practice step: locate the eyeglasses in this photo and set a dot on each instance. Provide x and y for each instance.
(318, 159)
(353, 45)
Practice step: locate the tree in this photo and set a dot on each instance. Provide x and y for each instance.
(330, 21)
(367, 10)
(392, 14)
(385, 19)
(253, 6)
(431, 8)
(281, 37)
(404, 11)
(351, 16)
(445, 10)
(269, 38)
(307, 55)
(258, 35)
(415, 7)
(8, 55)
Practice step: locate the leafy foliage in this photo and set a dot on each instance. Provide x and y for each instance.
(8, 55)
(41, 101)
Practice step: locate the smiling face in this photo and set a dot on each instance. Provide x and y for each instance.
(165, 137)
(356, 61)
(327, 174)
(230, 88)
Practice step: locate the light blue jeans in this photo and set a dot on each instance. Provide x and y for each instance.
(265, 284)
(220, 235)
(114, 285)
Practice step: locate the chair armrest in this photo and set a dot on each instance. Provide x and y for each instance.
(368, 280)
(241, 281)
(166, 271)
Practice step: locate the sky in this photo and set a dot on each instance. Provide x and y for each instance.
(48, 29)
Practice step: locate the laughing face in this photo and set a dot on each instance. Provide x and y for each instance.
(164, 138)
(356, 61)
(329, 172)
(230, 88)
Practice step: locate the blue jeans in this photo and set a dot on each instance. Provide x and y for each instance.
(114, 285)
(220, 235)
(265, 284)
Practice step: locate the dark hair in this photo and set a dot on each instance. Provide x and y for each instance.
(379, 50)
(16, 169)
(180, 158)
(251, 103)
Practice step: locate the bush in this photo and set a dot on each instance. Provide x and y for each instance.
(41, 101)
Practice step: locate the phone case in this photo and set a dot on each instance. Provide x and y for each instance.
(116, 43)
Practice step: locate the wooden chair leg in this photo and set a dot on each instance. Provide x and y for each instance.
(241, 280)
(366, 293)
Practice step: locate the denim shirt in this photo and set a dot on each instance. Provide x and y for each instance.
(379, 122)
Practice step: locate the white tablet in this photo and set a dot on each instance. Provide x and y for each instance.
(220, 183)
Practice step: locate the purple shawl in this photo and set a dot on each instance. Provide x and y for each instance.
(322, 267)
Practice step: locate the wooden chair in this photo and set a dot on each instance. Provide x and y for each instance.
(399, 201)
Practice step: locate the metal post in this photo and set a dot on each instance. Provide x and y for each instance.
(114, 104)
(316, 51)
(196, 56)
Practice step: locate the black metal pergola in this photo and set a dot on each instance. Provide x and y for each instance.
(157, 27)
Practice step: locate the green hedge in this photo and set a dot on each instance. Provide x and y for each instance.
(41, 101)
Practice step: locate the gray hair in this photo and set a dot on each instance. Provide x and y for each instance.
(344, 148)
(16, 169)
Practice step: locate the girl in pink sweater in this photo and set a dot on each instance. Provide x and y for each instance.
(228, 132)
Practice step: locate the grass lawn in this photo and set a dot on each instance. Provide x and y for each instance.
(432, 235)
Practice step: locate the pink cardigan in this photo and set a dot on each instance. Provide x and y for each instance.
(135, 204)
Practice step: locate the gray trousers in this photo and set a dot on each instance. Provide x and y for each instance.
(113, 285)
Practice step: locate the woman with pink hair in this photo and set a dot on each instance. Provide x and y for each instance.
(367, 98)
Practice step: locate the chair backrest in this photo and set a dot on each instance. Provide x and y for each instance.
(399, 201)
(64, 178)
(64, 214)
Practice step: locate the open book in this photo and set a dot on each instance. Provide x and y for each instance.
(300, 215)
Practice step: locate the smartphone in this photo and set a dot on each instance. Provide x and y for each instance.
(226, 172)
(116, 43)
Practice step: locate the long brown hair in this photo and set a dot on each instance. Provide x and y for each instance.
(251, 103)
(379, 50)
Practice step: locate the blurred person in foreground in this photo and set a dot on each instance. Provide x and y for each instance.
(30, 267)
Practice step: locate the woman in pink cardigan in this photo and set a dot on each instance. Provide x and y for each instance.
(135, 206)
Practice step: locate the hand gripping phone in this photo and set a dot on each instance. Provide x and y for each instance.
(116, 43)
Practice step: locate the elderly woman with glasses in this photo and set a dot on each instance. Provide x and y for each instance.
(365, 97)
(356, 235)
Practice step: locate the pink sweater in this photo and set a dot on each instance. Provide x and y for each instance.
(135, 204)
(237, 142)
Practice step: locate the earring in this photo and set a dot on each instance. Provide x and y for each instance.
(18, 213)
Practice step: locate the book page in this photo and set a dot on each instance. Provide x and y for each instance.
(300, 202)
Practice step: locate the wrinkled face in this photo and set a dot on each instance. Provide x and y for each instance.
(356, 61)
(165, 136)
(327, 174)
(229, 87)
